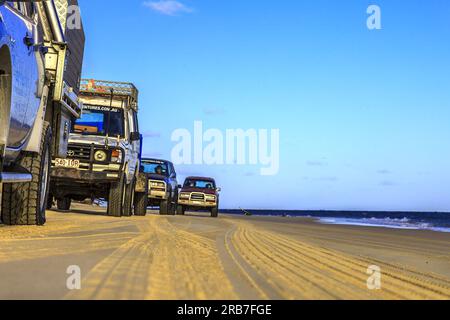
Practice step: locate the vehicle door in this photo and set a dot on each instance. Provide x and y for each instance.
(134, 144)
(20, 22)
(173, 180)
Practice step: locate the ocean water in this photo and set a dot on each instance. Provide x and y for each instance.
(435, 221)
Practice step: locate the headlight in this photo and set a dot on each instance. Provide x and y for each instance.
(210, 198)
(116, 156)
(100, 156)
(184, 195)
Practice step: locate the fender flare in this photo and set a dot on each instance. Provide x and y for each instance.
(5, 92)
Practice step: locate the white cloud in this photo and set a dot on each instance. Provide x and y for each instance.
(168, 7)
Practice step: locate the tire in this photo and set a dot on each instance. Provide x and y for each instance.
(164, 207)
(49, 202)
(215, 212)
(173, 208)
(25, 203)
(115, 198)
(140, 204)
(180, 210)
(128, 199)
(63, 204)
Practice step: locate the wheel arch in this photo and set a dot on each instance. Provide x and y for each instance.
(5, 91)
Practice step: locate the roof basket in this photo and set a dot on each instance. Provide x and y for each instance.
(101, 87)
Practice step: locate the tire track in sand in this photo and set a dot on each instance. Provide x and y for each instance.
(162, 262)
(296, 270)
(186, 266)
(124, 273)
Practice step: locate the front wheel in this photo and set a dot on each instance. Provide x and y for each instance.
(115, 199)
(25, 203)
(128, 200)
(164, 207)
(215, 212)
(140, 204)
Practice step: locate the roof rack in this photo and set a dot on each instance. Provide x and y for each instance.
(102, 87)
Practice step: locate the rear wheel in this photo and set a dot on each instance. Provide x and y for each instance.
(180, 210)
(63, 204)
(140, 204)
(164, 207)
(128, 200)
(173, 208)
(115, 199)
(25, 203)
(49, 202)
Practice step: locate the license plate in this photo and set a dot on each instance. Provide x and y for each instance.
(67, 163)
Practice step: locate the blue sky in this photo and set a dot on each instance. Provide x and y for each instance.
(364, 116)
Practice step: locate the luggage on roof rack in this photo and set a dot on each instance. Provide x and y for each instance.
(110, 89)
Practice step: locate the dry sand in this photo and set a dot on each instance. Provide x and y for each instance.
(197, 257)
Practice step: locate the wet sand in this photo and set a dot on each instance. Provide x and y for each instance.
(232, 257)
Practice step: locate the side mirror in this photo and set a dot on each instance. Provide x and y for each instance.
(173, 175)
(218, 189)
(180, 186)
(135, 136)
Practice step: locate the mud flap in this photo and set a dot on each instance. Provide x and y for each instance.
(34, 143)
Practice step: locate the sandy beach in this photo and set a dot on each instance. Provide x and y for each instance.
(232, 257)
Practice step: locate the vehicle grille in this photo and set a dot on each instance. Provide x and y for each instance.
(79, 152)
(198, 197)
(157, 185)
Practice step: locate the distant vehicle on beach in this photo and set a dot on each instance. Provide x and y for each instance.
(163, 185)
(199, 193)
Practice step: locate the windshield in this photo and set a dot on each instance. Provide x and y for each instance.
(202, 184)
(158, 167)
(100, 121)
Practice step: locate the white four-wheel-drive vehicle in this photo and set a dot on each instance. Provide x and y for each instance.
(103, 158)
(40, 66)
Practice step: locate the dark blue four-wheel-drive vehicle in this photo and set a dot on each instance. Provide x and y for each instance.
(163, 185)
(39, 85)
